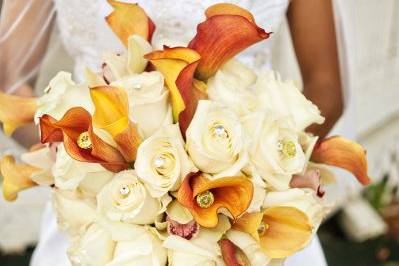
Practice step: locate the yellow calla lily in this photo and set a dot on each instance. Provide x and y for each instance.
(280, 231)
(16, 177)
(111, 114)
(16, 111)
(128, 19)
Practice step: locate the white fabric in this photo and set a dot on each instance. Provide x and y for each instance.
(86, 36)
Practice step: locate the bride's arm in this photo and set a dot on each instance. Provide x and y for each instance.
(25, 27)
(313, 34)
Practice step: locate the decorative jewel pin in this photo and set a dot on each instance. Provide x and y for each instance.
(84, 141)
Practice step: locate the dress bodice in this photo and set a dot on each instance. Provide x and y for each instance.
(86, 35)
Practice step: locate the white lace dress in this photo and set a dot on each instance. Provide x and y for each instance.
(86, 36)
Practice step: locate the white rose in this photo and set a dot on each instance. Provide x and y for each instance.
(249, 246)
(284, 98)
(231, 86)
(148, 98)
(304, 200)
(162, 163)
(61, 95)
(275, 151)
(215, 140)
(126, 199)
(202, 250)
(69, 207)
(70, 174)
(114, 244)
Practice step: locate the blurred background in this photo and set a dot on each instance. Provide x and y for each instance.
(363, 230)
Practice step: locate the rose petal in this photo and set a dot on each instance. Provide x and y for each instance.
(16, 177)
(340, 152)
(111, 114)
(177, 66)
(128, 19)
(75, 121)
(232, 193)
(227, 31)
(16, 111)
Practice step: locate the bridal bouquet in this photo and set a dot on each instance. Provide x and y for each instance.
(179, 156)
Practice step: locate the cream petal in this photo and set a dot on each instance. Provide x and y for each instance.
(249, 246)
(137, 48)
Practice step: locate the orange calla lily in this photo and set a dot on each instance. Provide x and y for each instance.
(128, 19)
(340, 152)
(75, 126)
(204, 197)
(178, 66)
(16, 177)
(280, 231)
(16, 111)
(112, 114)
(228, 30)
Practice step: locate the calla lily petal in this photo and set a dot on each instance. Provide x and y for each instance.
(343, 153)
(227, 31)
(177, 66)
(16, 177)
(128, 19)
(16, 111)
(76, 121)
(191, 91)
(232, 193)
(111, 114)
(228, 9)
(285, 230)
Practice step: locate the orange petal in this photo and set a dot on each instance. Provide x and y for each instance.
(191, 91)
(177, 66)
(16, 177)
(16, 111)
(228, 9)
(111, 114)
(233, 255)
(232, 193)
(227, 31)
(76, 121)
(288, 231)
(340, 152)
(249, 223)
(128, 19)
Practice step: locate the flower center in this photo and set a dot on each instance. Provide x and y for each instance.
(205, 199)
(287, 148)
(262, 228)
(84, 141)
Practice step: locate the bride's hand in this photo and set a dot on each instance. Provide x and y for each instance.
(313, 34)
